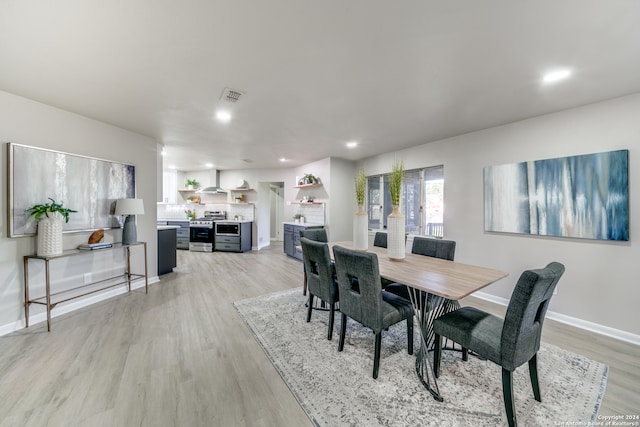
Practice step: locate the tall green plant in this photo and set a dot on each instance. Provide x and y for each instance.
(361, 186)
(45, 209)
(395, 182)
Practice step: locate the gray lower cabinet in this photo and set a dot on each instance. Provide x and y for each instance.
(167, 259)
(241, 243)
(182, 234)
(292, 239)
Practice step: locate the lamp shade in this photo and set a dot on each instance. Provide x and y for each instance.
(129, 207)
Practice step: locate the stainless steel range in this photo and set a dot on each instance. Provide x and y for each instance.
(202, 231)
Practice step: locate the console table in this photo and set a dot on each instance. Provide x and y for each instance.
(51, 299)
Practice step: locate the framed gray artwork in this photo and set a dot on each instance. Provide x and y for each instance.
(585, 196)
(88, 185)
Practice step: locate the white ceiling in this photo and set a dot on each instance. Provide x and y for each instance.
(388, 74)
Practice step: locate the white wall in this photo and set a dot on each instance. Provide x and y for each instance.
(27, 122)
(342, 192)
(600, 284)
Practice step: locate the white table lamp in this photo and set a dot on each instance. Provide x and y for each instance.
(130, 208)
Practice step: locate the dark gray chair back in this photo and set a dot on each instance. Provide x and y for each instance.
(380, 240)
(525, 314)
(437, 248)
(360, 288)
(319, 268)
(317, 234)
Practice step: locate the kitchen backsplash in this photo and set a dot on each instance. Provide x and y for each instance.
(177, 211)
(313, 213)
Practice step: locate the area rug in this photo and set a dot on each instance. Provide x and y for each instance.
(337, 389)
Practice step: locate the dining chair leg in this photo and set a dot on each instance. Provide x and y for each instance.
(410, 335)
(304, 284)
(533, 373)
(332, 312)
(343, 330)
(310, 308)
(437, 354)
(507, 391)
(465, 354)
(376, 356)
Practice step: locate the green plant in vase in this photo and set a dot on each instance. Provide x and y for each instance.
(360, 220)
(395, 221)
(37, 211)
(361, 186)
(48, 215)
(395, 182)
(192, 183)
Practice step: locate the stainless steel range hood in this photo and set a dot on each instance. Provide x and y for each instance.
(213, 188)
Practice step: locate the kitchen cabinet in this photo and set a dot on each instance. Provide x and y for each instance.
(167, 244)
(239, 243)
(292, 239)
(182, 234)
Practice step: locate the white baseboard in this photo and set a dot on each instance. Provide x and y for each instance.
(75, 305)
(573, 321)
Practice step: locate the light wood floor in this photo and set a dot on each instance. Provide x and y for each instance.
(181, 355)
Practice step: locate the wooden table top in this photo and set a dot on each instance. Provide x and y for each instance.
(449, 279)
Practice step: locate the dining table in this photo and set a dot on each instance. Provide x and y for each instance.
(435, 287)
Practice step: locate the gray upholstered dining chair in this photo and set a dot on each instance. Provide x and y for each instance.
(318, 235)
(321, 280)
(437, 248)
(380, 239)
(363, 300)
(509, 342)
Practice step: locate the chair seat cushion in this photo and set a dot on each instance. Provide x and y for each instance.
(394, 309)
(473, 329)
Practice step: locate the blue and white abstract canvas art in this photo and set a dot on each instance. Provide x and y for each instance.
(584, 196)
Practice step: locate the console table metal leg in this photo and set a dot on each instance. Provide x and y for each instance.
(146, 276)
(26, 291)
(48, 290)
(128, 249)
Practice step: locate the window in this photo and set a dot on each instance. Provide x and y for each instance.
(422, 201)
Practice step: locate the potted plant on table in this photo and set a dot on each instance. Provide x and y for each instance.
(360, 221)
(395, 221)
(49, 220)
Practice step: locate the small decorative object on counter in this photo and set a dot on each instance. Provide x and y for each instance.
(190, 214)
(50, 226)
(296, 218)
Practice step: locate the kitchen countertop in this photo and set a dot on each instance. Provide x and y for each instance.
(167, 227)
(304, 224)
(233, 221)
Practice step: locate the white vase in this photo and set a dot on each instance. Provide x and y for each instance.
(360, 230)
(49, 236)
(395, 235)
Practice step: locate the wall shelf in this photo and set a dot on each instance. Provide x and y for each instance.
(307, 203)
(307, 186)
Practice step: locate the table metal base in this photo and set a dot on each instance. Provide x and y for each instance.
(427, 307)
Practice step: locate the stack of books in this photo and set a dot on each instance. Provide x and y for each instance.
(94, 246)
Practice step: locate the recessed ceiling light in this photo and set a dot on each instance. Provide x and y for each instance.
(163, 153)
(283, 159)
(223, 116)
(556, 75)
(208, 165)
(352, 144)
(172, 167)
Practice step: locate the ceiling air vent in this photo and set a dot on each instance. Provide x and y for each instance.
(231, 95)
